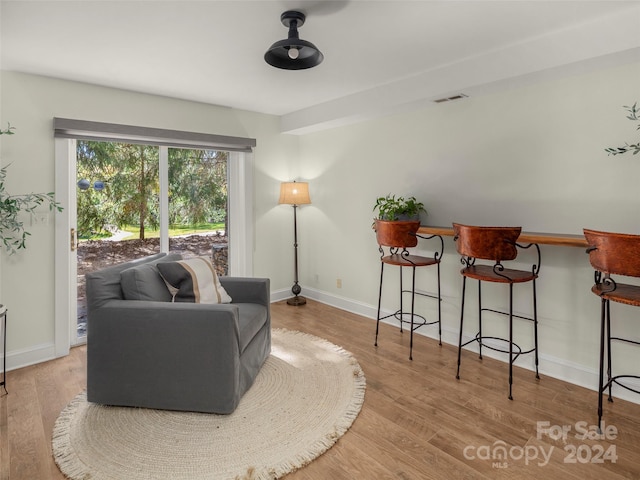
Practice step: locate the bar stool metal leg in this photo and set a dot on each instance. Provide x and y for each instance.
(608, 319)
(401, 305)
(379, 303)
(4, 352)
(510, 340)
(464, 283)
(413, 296)
(439, 310)
(480, 317)
(535, 327)
(601, 375)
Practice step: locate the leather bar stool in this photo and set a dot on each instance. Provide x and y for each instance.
(496, 245)
(396, 239)
(613, 254)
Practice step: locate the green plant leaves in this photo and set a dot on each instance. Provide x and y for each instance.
(392, 208)
(8, 131)
(634, 147)
(12, 233)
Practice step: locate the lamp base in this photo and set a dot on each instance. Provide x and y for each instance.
(297, 301)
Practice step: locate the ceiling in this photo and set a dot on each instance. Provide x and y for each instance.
(380, 56)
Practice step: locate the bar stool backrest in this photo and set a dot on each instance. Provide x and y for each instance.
(400, 234)
(616, 253)
(486, 243)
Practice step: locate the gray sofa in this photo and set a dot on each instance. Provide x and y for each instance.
(173, 356)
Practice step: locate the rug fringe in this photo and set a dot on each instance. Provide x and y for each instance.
(63, 453)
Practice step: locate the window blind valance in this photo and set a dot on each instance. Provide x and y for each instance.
(112, 132)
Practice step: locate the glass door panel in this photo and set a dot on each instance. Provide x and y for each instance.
(198, 199)
(118, 193)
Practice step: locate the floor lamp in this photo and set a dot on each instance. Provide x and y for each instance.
(295, 193)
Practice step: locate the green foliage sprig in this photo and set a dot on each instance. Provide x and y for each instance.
(635, 147)
(12, 232)
(392, 208)
(8, 131)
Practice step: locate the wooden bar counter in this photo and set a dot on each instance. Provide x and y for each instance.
(558, 239)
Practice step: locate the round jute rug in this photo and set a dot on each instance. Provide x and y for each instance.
(306, 396)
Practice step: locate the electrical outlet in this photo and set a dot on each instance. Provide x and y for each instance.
(339, 283)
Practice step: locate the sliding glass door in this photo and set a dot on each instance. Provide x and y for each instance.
(157, 189)
(134, 200)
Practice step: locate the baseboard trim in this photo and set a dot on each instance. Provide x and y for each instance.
(30, 356)
(279, 295)
(549, 365)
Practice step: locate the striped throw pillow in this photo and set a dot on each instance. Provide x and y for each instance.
(193, 280)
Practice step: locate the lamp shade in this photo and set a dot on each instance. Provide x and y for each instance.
(294, 193)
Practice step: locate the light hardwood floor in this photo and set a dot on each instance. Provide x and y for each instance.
(417, 421)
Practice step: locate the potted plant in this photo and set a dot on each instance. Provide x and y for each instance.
(398, 209)
(12, 233)
(398, 220)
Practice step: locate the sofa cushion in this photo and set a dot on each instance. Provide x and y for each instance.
(144, 283)
(104, 285)
(193, 280)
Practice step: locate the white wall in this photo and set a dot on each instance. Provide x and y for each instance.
(31, 102)
(530, 156)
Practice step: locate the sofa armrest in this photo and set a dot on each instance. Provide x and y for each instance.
(247, 289)
(180, 318)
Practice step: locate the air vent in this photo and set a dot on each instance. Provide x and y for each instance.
(449, 99)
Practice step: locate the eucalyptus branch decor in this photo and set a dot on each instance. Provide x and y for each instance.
(12, 232)
(635, 147)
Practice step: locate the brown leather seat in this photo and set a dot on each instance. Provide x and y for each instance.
(394, 238)
(613, 254)
(409, 261)
(496, 245)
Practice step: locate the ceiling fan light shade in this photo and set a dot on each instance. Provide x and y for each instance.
(293, 53)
